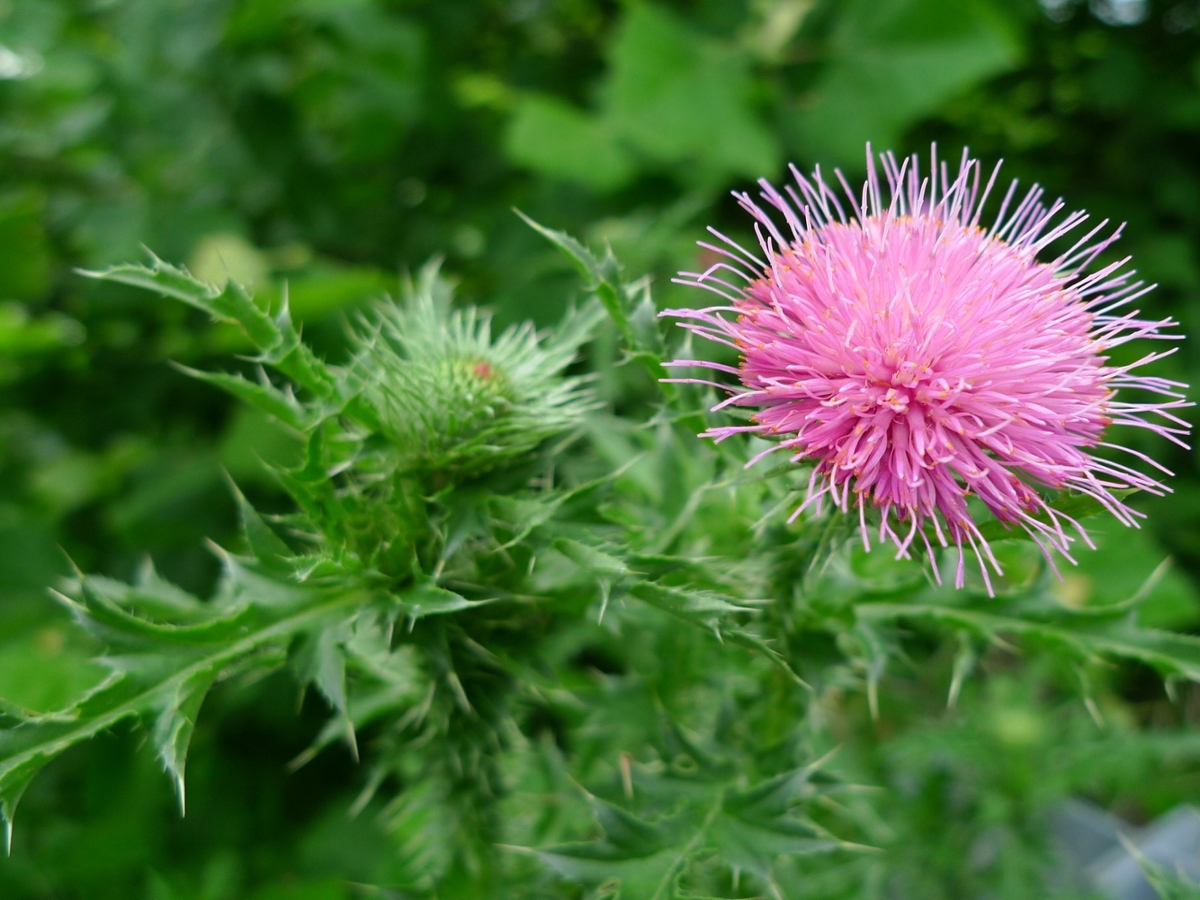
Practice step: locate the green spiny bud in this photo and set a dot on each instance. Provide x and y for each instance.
(453, 399)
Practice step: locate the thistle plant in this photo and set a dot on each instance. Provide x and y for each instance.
(574, 651)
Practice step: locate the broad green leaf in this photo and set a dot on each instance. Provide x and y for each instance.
(892, 62)
(557, 139)
(683, 98)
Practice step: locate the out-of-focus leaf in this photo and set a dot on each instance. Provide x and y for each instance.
(684, 99)
(893, 61)
(748, 828)
(1174, 656)
(558, 140)
(597, 562)
(24, 251)
(45, 669)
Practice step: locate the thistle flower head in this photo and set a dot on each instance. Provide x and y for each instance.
(917, 357)
(451, 397)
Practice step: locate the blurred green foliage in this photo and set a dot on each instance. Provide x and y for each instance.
(326, 148)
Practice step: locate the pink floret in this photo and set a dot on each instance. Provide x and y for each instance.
(918, 358)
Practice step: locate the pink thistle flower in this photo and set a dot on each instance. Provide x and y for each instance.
(917, 358)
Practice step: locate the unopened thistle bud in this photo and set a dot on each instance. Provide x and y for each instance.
(455, 401)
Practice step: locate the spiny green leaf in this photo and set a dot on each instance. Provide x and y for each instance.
(708, 610)
(157, 675)
(603, 275)
(599, 563)
(104, 614)
(272, 401)
(707, 813)
(425, 598)
(267, 546)
(703, 608)
(1081, 636)
(629, 306)
(228, 304)
(523, 515)
(575, 329)
(759, 824)
(625, 831)
(371, 652)
(368, 651)
(755, 844)
(311, 486)
(321, 660)
(175, 723)
(14, 779)
(778, 795)
(276, 338)
(640, 876)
